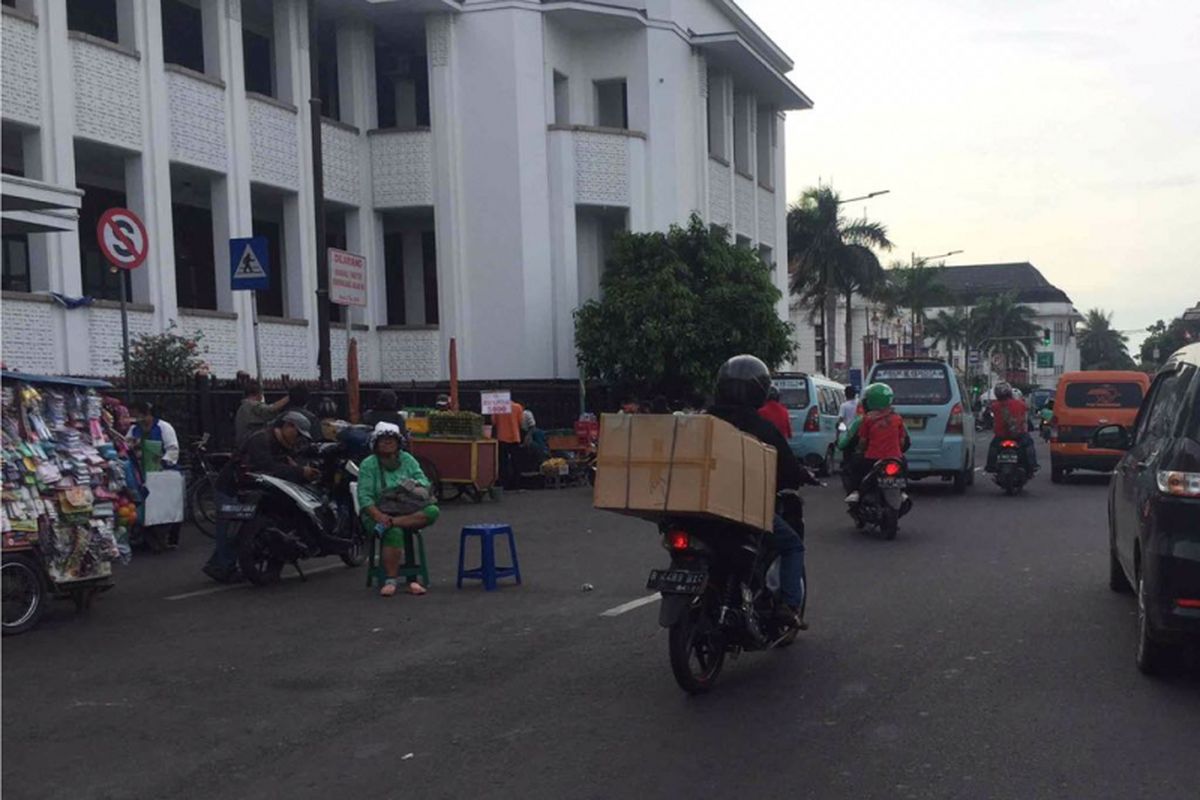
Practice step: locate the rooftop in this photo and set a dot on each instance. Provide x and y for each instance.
(971, 283)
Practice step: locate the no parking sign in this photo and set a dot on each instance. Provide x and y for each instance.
(122, 238)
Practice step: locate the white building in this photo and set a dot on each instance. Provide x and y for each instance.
(877, 335)
(478, 153)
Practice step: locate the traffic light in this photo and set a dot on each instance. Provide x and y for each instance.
(1046, 337)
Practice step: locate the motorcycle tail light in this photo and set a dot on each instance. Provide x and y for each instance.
(891, 469)
(955, 423)
(1008, 443)
(812, 421)
(1179, 484)
(678, 540)
(1187, 602)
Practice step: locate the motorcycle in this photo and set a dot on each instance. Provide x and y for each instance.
(983, 420)
(721, 595)
(1044, 429)
(1012, 467)
(882, 498)
(283, 522)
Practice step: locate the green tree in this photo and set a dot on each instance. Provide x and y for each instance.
(1165, 339)
(916, 288)
(1007, 327)
(829, 256)
(674, 306)
(167, 358)
(953, 329)
(1100, 345)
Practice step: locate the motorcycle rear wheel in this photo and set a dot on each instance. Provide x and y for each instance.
(256, 559)
(24, 590)
(695, 640)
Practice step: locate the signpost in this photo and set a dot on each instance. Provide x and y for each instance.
(250, 271)
(496, 402)
(125, 243)
(347, 284)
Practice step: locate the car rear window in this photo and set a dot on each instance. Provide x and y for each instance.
(915, 384)
(793, 392)
(1103, 394)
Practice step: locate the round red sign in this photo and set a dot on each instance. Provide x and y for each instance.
(122, 238)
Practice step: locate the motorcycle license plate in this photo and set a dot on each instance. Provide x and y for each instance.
(676, 581)
(1007, 458)
(892, 483)
(237, 511)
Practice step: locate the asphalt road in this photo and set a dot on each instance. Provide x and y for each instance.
(979, 655)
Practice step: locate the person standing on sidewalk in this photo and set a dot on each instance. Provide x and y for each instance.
(156, 448)
(508, 433)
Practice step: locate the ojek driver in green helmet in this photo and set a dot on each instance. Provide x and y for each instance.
(878, 434)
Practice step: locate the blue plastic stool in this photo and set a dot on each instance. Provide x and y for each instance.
(487, 572)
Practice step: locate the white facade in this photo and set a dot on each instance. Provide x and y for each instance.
(481, 157)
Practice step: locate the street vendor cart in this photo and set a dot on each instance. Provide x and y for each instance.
(66, 508)
(458, 467)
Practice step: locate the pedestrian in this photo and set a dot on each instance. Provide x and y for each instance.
(442, 403)
(533, 441)
(395, 496)
(254, 412)
(776, 413)
(155, 447)
(508, 433)
(268, 451)
(297, 400)
(849, 409)
(386, 409)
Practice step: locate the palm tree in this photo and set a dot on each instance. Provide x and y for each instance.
(830, 255)
(916, 287)
(1007, 327)
(1100, 345)
(862, 275)
(954, 329)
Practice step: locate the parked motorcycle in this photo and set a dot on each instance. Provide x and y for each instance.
(882, 498)
(720, 595)
(1012, 466)
(283, 522)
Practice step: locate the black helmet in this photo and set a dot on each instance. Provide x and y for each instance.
(743, 381)
(1003, 391)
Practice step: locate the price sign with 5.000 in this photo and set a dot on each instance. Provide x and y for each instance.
(122, 237)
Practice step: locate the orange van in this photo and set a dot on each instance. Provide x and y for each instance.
(1083, 402)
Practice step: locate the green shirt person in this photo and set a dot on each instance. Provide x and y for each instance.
(389, 467)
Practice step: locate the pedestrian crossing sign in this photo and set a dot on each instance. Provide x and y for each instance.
(249, 266)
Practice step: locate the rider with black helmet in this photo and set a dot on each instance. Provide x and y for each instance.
(742, 386)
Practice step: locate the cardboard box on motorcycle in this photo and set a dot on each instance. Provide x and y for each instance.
(661, 465)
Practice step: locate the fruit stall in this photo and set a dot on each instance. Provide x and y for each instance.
(454, 453)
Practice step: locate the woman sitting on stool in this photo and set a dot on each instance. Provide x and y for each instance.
(394, 496)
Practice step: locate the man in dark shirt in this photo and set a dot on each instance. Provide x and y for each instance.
(268, 451)
(742, 385)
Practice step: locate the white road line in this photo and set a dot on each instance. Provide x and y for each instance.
(236, 586)
(616, 611)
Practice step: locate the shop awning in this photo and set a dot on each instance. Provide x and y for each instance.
(29, 206)
(732, 53)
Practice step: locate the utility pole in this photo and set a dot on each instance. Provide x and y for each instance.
(314, 104)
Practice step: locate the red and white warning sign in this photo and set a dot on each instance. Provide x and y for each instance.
(122, 238)
(347, 278)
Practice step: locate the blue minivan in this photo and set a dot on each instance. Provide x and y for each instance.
(933, 402)
(813, 402)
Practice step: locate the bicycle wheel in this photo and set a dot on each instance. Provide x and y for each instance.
(202, 502)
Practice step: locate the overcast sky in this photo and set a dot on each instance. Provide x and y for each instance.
(1061, 132)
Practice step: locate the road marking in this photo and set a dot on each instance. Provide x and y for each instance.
(616, 611)
(236, 586)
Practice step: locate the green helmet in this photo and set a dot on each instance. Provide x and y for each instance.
(877, 396)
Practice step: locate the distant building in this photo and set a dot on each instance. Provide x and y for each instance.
(878, 336)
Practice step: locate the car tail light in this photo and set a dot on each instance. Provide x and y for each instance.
(954, 424)
(812, 421)
(891, 469)
(1179, 484)
(1187, 602)
(1008, 443)
(678, 540)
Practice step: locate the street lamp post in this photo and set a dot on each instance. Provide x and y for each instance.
(864, 197)
(913, 310)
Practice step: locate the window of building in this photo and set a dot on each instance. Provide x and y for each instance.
(741, 133)
(562, 99)
(335, 236)
(183, 34)
(257, 59)
(327, 68)
(195, 265)
(393, 258)
(743, 242)
(99, 280)
(95, 17)
(767, 256)
(717, 145)
(270, 302)
(612, 104)
(402, 88)
(16, 262)
(766, 148)
(1060, 332)
(429, 255)
(719, 230)
(12, 150)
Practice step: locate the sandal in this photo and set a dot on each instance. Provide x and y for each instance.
(389, 588)
(417, 589)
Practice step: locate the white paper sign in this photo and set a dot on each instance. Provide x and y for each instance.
(347, 278)
(497, 402)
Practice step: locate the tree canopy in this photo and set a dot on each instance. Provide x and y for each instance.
(1165, 338)
(1100, 345)
(674, 307)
